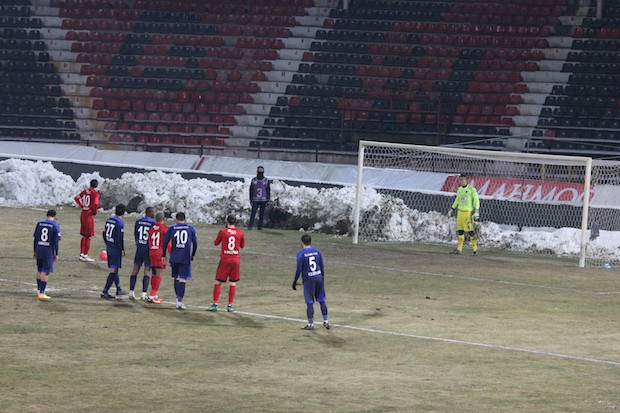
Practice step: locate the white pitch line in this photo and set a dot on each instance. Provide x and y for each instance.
(385, 332)
(453, 276)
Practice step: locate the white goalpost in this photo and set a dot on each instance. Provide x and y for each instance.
(530, 203)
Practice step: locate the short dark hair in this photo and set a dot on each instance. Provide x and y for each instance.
(119, 210)
(231, 219)
(94, 183)
(306, 239)
(260, 167)
(463, 176)
(180, 216)
(149, 211)
(51, 213)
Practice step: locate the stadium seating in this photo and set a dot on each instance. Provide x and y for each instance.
(163, 72)
(583, 115)
(415, 72)
(306, 74)
(32, 105)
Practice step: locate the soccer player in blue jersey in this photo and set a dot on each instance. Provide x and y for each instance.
(260, 193)
(46, 240)
(141, 235)
(114, 238)
(184, 246)
(310, 267)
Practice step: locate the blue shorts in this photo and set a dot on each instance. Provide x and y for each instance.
(45, 265)
(115, 258)
(314, 290)
(141, 258)
(181, 270)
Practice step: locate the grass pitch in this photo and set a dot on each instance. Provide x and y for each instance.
(79, 353)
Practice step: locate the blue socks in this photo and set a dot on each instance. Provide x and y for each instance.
(145, 283)
(109, 282)
(310, 313)
(132, 282)
(324, 310)
(117, 281)
(181, 291)
(41, 285)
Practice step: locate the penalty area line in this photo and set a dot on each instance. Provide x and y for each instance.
(383, 332)
(452, 276)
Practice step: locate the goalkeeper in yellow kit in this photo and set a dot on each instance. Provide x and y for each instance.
(466, 205)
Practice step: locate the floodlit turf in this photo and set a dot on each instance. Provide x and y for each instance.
(79, 353)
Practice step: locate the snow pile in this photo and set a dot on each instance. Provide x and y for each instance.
(384, 218)
(201, 200)
(27, 183)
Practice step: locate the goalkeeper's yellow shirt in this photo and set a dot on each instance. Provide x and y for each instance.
(466, 199)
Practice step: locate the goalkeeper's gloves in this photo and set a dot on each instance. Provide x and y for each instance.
(476, 216)
(450, 212)
(295, 285)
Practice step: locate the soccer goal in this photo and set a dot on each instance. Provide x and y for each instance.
(530, 203)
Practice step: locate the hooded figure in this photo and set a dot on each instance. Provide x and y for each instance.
(260, 193)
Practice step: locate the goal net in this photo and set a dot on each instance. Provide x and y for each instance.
(530, 203)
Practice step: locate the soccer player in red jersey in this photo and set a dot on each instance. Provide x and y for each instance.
(232, 241)
(156, 256)
(88, 200)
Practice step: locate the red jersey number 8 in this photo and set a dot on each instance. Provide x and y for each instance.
(231, 243)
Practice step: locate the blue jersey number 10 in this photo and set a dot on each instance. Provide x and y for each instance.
(181, 238)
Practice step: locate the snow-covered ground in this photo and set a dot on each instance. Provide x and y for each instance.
(384, 218)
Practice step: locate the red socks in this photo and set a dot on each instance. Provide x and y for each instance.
(84, 245)
(155, 283)
(231, 294)
(217, 288)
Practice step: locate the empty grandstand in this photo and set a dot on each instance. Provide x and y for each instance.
(288, 77)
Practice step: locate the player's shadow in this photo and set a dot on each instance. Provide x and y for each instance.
(124, 304)
(319, 337)
(246, 322)
(186, 316)
(55, 307)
